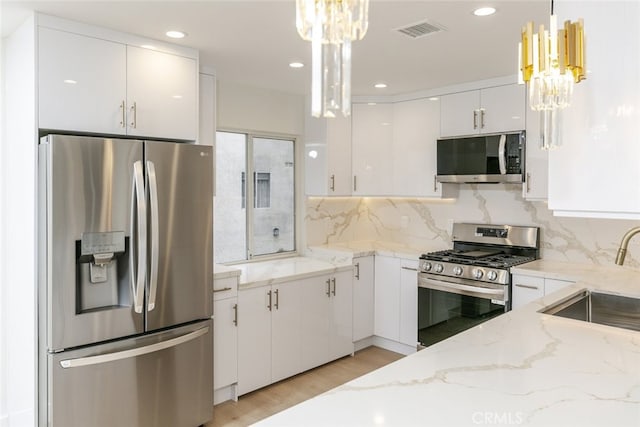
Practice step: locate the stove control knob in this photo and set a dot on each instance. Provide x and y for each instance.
(457, 270)
(492, 275)
(438, 268)
(477, 273)
(426, 266)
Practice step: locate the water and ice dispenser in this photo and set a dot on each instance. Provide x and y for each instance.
(102, 271)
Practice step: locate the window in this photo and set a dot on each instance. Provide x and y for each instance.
(267, 226)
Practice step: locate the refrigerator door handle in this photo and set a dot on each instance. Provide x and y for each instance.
(153, 201)
(134, 352)
(138, 237)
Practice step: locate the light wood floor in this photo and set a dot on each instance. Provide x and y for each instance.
(267, 401)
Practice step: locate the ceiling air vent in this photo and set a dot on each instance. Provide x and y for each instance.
(420, 29)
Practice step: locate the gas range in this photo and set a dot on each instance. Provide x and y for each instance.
(483, 253)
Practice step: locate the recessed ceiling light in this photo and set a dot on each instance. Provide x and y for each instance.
(296, 65)
(433, 98)
(175, 34)
(69, 81)
(148, 46)
(484, 11)
(371, 103)
(380, 85)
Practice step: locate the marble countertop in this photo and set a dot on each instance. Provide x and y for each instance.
(522, 368)
(254, 274)
(223, 271)
(564, 270)
(365, 248)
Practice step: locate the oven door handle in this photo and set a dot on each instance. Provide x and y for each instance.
(457, 288)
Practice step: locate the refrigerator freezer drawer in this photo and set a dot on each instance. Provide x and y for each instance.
(163, 379)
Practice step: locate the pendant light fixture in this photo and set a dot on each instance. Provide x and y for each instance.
(331, 26)
(551, 62)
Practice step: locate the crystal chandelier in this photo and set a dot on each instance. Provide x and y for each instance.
(331, 25)
(551, 62)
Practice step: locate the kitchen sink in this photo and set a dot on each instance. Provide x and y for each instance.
(599, 307)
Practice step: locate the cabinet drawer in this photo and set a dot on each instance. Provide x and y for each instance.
(225, 288)
(526, 289)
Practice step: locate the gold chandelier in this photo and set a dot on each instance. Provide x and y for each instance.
(331, 26)
(551, 62)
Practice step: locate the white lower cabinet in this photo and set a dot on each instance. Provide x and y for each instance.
(363, 297)
(528, 288)
(409, 302)
(225, 339)
(287, 328)
(387, 297)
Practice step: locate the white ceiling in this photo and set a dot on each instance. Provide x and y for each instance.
(252, 42)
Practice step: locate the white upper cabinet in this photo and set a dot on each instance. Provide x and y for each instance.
(416, 128)
(328, 156)
(88, 83)
(596, 170)
(162, 96)
(535, 186)
(490, 110)
(82, 83)
(372, 149)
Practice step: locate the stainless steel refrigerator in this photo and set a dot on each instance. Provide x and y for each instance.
(125, 282)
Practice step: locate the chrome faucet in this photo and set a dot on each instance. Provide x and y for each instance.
(622, 250)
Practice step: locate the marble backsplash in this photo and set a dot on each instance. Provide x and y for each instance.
(426, 223)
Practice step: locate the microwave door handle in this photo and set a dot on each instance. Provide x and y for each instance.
(502, 155)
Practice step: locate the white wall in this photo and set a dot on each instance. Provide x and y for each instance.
(18, 336)
(248, 108)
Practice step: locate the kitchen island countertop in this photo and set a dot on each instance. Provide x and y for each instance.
(522, 368)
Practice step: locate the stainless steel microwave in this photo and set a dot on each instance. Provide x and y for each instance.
(486, 158)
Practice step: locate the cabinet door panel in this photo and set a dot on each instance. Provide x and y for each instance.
(339, 156)
(416, 128)
(504, 108)
(286, 333)
(254, 340)
(163, 89)
(363, 294)
(341, 315)
(526, 289)
(315, 321)
(225, 343)
(82, 83)
(387, 297)
(457, 113)
(552, 285)
(409, 302)
(372, 149)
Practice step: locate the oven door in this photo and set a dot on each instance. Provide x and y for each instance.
(447, 308)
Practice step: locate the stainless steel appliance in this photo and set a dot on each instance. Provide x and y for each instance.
(470, 284)
(125, 282)
(486, 158)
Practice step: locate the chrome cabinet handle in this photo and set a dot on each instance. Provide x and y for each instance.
(528, 182)
(357, 270)
(328, 288)
(482, 118)
(123, 119)
(332, 186)
(134, 113)
(277, 298)
(475, 119)
(355, 183)
(409, 268)
(235, 314)
(435, 183)
(269, 306)
(134, 352)
(138, 223)
(518, 285)
(155, 235)
(334, 286)
(221, 290)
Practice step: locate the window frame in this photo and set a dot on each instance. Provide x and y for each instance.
(250, 194)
